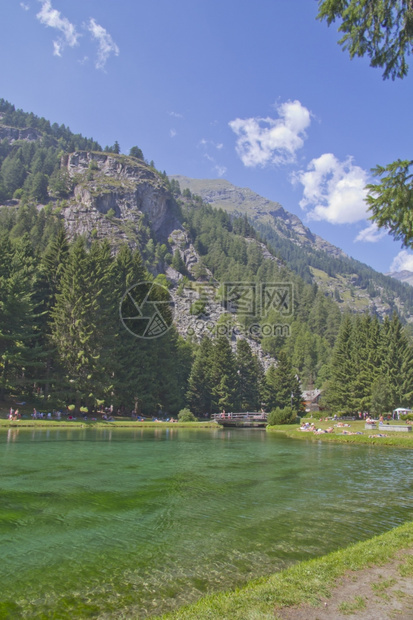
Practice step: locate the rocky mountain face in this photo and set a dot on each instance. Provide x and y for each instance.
(198, 310)
(122, 198)
(12, 134)
(355, 286)
(114, 195)
(243, 201)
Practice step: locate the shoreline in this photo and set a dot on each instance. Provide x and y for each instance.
(100, 424)
(395, 440)
(310, 585)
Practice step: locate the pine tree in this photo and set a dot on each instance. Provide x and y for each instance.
(286, 383)
(397, 365)
(17, 312)
(248, 377)
(365, 366)
(224, 376)
(81, 326)
(199, 394)
(339, 392)
(269, 393)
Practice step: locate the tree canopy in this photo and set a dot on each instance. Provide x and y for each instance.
(379, 29)
(391, 201)
(383, 31)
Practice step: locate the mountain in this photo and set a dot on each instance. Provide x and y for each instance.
(403, 276)
(82, 227)
(242, 201)
(354, 285)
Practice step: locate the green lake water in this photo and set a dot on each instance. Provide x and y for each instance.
(125, 524)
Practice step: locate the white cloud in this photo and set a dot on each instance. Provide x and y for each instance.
(207, 143)
(24, 6)
(52, 18)
(175, 114)
(220, 170)
(217, 168)
(106, 45)
(402, 261)
(371, 234)
(333, 190)
(263, 141)
(172, 133)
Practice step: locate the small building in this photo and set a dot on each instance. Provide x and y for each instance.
(400, 411)
(311, 399)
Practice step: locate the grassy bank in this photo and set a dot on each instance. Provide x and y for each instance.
(308, 582)
(400, 440)
(124, 424)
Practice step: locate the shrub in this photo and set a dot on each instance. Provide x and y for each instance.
(407, 416)
(185, 415)
(18, 194)
(282, 416)
(197, 308)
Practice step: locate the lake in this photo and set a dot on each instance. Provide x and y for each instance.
(114, 523)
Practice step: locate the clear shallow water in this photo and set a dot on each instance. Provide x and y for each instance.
(122, 524)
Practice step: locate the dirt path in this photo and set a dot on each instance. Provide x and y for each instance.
(378, 593)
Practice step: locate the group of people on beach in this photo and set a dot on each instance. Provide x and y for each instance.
(310, 427)
(39, 415)
(14, 414)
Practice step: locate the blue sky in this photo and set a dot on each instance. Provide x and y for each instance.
(258, 93)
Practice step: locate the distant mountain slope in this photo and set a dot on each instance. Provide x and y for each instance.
(403, 276)
(354, 285)
(124, 198)
(222, 194)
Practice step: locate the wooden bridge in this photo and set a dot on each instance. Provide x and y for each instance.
(247, 419)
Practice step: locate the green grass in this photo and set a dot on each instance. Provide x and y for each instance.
(348, 607)
(398, 440)
(380, 588)
(102, 424)
(304, 583)
(321, 275)
(406, 569)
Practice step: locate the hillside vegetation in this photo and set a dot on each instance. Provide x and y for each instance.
(356, 286)
(256, 319)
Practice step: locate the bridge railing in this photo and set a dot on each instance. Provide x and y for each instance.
(245, 415)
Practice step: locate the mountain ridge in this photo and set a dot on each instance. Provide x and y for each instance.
(105, 194)
(403, 276)
(355, 285)
(242, 200)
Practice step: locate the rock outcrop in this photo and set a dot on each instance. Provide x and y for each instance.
(113, 195)
(12, 134)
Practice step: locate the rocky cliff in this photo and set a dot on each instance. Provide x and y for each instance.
(12, 134)
(113, 195)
